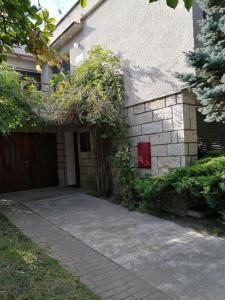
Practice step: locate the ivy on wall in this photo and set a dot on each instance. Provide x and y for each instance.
(93, 96)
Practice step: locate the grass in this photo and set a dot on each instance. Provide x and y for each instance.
(28, 273)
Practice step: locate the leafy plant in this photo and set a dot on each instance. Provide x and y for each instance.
(20, 101)
(170, 3)
(174, 3)
(127, 175)
(204, 179)
(93, 96)
(24, 24)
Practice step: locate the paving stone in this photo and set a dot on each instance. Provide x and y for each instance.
(128, 255)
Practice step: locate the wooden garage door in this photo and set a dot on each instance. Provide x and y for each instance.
(27, 161)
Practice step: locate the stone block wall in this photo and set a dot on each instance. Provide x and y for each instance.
(169, 124)
(61, 153)
(87, 165)
(87, 161)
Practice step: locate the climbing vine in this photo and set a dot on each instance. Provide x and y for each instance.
(94, 96)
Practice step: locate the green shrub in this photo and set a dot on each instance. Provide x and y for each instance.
(204, 179)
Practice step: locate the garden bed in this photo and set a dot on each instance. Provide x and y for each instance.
(186, 189)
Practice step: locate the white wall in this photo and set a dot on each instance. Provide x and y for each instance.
(151, 40)
(19, 62)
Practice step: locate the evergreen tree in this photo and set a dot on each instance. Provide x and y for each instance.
(208, 81)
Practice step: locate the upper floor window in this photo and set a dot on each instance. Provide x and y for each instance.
(36, 76)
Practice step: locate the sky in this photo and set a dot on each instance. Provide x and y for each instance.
(56, 6)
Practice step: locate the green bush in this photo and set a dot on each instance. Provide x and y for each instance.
(204, 179)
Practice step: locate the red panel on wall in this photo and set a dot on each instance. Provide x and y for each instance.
(144, 155)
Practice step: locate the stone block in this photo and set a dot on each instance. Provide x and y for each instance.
(60, 137)
(126, 120)
(171, 100)
(193, 149)
(154, 162)
(186, 97)
(134, 153)
(178, 117)
(136, 130)
(185, 161)
(143, 139)
(61, 174)
(129, 131)
(161, 138)
(146, 117)
(169, 162)
(163, 172)
(187, 120)
(194, 158)
(155, 104)
(177, 149)
(91, 171)
(174, 137)
(168, 125)
(138, 109)
(130, 111)
(158, 150)
(162, 114)
(83, 170)
(152, 127)
(133, 141)
(138, 119)
(87, 162)
(193, 116)
(187, 136)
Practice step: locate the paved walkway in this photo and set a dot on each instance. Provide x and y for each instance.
(117, 253)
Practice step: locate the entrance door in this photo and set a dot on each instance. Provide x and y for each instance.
(27, 161)
(43, 160)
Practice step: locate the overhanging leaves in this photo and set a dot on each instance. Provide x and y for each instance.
(174, 3)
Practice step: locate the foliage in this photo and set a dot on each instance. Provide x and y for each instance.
(208, 82)
(174, 3)
(19, 101)
(127, 175)
(27, 272)
(93, 96)
(204, 179)
(24, 24)
(170, 3)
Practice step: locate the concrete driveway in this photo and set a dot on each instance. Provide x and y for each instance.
(176, 260)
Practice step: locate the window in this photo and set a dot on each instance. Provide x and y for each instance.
(65, 68)
(36, 76)
(85, 142)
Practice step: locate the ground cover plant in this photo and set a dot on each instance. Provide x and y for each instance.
(204, 180)
(27, 272)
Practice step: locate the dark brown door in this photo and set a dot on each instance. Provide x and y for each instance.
(27, 161)
(43, 158)
(14, 163)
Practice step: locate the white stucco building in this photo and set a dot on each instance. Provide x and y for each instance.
(151, 41)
